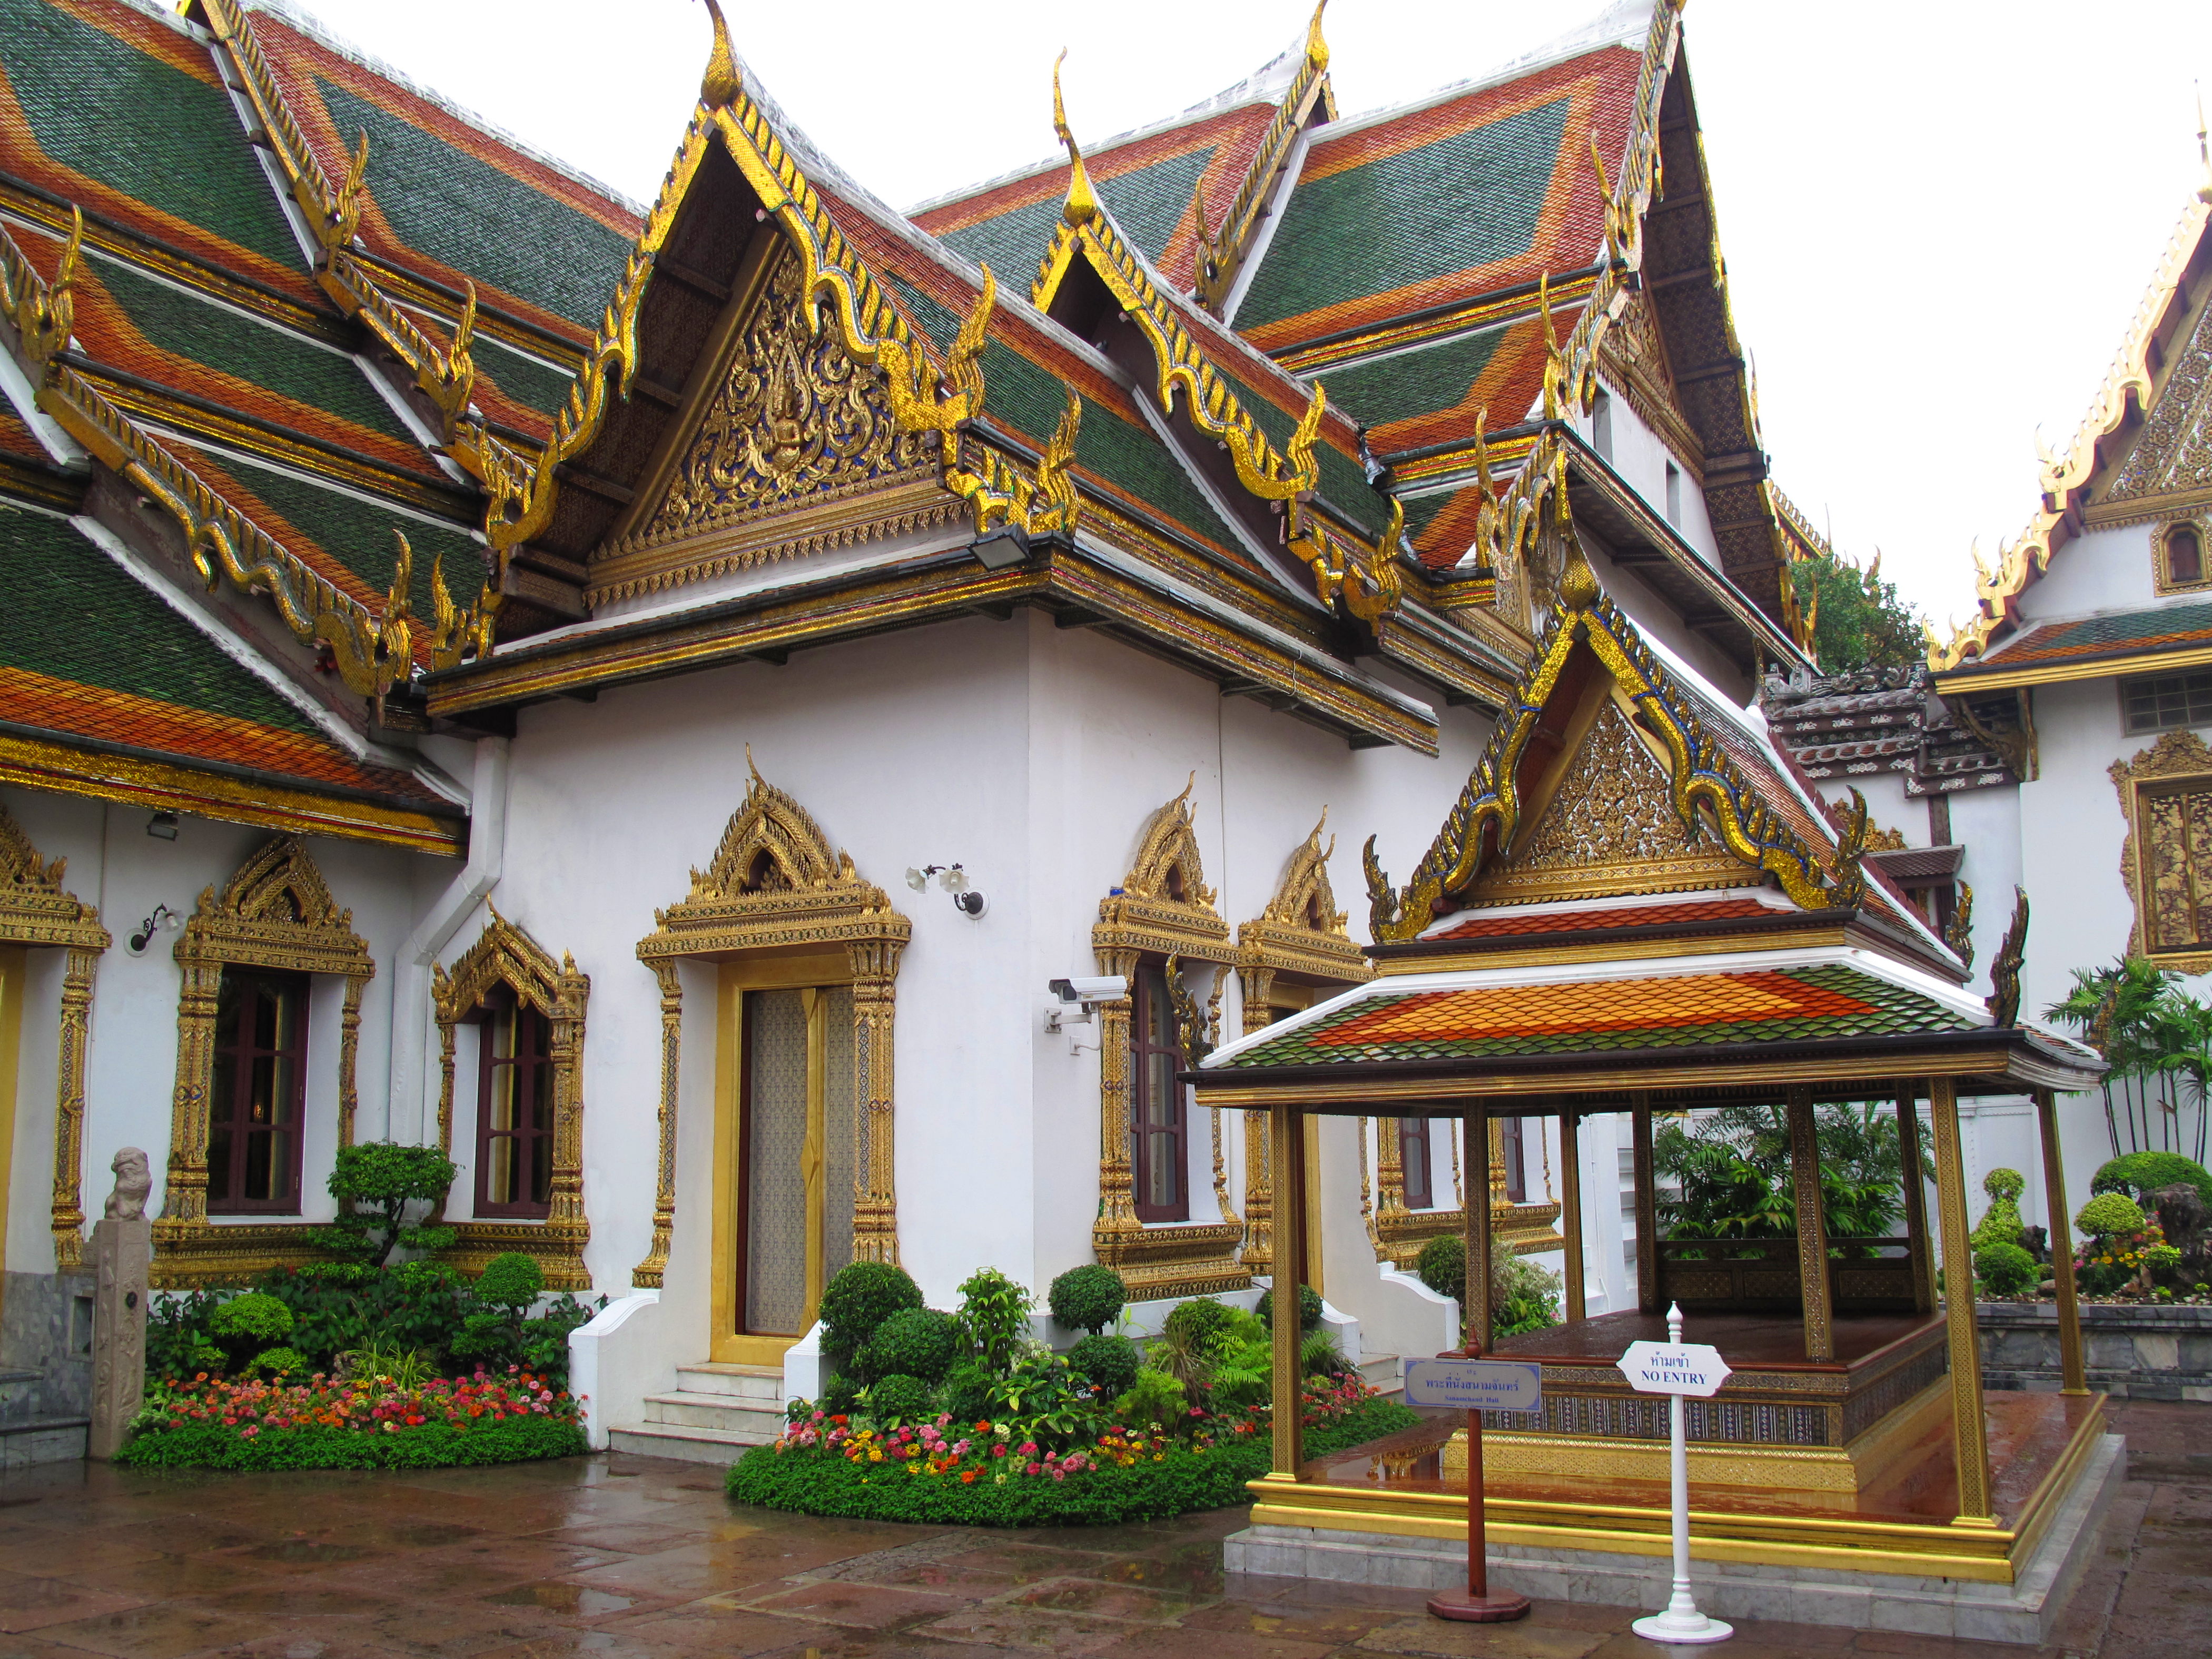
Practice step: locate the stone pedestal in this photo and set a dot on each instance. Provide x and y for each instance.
(121, 1259)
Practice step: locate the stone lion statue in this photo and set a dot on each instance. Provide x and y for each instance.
(134, 1180)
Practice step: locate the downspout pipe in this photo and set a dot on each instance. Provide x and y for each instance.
(407, 1119)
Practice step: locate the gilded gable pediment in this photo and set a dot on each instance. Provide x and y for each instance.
(2171, 461)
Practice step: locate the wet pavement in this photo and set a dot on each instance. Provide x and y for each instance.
(622, 1556)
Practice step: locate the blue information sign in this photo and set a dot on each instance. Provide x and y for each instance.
(1476, 1385)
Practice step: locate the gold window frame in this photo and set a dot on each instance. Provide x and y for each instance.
(812, 914)
(2162, 573)
(2179, 757)
(505, 954)
(275, 912)
(1163, 908)
(37, 911)
(1296, 947)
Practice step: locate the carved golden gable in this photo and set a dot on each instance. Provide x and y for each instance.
(1301, 932)
(1165, 905)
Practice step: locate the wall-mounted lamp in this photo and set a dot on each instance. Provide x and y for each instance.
(969, 901)
(163, 920)
(162, 826)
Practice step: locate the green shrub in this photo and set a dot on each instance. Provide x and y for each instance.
(1182, 1482)
(244, 1325)
(1155, 1399)
(2006, 1269)
(859, 1298)
(917, 1342)
(177, 1343)
(897, 1398)
(2109, 1215)
(212, 1446)
(1200, 1320)
(1108, 1363)
(513, 1280)
(967, 1392)
(1441, 1266)
(2141, 1174)
(1088, 1298)
(1319, 1356)
(1309, 1308)
(276, 1362)
(374, 1182)
(994, 1315)
(1526, 1298)
(2000, 1222)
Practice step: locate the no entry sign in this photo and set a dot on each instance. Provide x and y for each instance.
(1691, 1368)
(1476, 1385)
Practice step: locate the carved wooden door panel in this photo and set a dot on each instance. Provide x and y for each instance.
(795, 1151)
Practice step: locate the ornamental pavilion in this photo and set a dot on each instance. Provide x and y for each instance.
(1717, 938)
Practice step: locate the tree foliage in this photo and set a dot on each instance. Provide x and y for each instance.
(374, 1183)
(1861, 622)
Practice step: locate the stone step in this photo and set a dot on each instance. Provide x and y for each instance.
(764, 1384)
(672, 1440)
(48, 1440)
(684, 1409)
(1381, 1372)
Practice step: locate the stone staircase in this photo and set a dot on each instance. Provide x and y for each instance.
(715, 1413)
(1381, 1372)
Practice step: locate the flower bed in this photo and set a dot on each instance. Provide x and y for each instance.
(363, 1422)
(994, 1475)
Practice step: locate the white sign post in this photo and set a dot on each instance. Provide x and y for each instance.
(1678, 1368)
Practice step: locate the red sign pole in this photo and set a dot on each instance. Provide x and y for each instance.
(1477, 1605)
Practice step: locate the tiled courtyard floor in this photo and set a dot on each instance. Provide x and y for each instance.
(621, 1556)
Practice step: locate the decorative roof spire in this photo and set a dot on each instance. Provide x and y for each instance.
(722, 81)
(1082, 206)
(2205, 155)
(1316, 48)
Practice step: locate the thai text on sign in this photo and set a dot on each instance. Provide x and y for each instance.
(1691, 1368)
(1476, 1385)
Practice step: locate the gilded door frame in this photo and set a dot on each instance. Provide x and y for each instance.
(250, 924)
(1163, 907)
(36, 911)
(778, 899)
(2178, 757)
(505, 954)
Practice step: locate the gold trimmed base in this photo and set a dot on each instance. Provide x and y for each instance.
(192, 1256)
(557, 1248)
(1193, 1259)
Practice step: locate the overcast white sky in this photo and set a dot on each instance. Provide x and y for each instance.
(1939, 215)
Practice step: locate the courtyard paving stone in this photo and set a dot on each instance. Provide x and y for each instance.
(617, 1556)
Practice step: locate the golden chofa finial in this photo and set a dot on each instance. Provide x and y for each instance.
(722, 81)
(1316, 48)
(1081, 206)
(1578, 587)
(2203, 155)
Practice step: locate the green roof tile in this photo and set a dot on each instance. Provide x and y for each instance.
(531, 383)
(1464, 201)
(1147, 204)
(74, 615)
(468, 215)
(258, 353)
(140, 126)
(1412, 383)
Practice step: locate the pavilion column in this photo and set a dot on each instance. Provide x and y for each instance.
(1475, 1305)
(1570, 1212)
(1969, 1432)
(1287, 1136)
(1812, 1228)
(2074, 1378)
(1647, 1208)
(1916, 1201)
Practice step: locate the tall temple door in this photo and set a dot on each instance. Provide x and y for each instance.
(787, 1096)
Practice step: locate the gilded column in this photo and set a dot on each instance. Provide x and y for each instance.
(875, 1170)
(69, 1109)
(349, 1057)
(2074, 1378)
(1916, 1201)
(647, 1274)
(1647, 1208)
(566, 1226)
(1286, 1130)
(1252, 985)
(1476, 1304)
(1970, 1433)
(1812, 1226)
(1570, 1212)
(184, 1202)
(1390, 1169)
(1117, 1211)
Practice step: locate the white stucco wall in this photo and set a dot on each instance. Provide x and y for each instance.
(2098, 570)
(1641, 457)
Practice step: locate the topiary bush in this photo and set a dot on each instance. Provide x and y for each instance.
(1442, 1266)
(2006, 1269)
(1197, 1321)
(1088, 1298)
(2000, 1222)
(2141, 1174)
(1309, 1308)
(245, 1325)
(897, 1398)
(1108, 1363)
(994, 1315)
(2110, 1215)
(277, 1362)
(967, 1392)
(858, 1299)
(374, 1183)
(513, 1280)
(919, 1342)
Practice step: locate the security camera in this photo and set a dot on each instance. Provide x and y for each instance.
(1101, 988)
